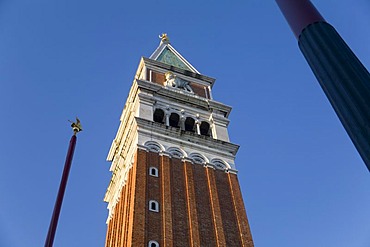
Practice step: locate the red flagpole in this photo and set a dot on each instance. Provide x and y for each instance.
(62, 187)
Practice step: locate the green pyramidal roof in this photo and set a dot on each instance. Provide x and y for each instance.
(168, 57)
(165, 53)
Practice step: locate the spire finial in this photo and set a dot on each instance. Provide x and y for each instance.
(164, 38)
(76, 126)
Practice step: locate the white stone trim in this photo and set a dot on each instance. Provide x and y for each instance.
(176, 152)
(154, 146)
(220, 164)
(198, 158)
(189, 142)
(195, 157)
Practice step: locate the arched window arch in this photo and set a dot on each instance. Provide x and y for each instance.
(153, 243)
(154, 146)
(153, 171)
(198, 158)
(190, 124)
(205, 128)
(176, 152)
(174, 120)
(158, 115)
(220, 164)
(153, 206)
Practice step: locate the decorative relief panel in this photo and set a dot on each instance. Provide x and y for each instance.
(160, 78)
(176, 82)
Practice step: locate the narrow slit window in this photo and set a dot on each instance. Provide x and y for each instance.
(153, 171)
(153, 206)
(153, 243)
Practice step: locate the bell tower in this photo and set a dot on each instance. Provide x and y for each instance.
(174, 180)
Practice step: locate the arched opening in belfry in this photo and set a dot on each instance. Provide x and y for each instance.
(158, 116)
(205, 129)
(190, 124)
(174, 120)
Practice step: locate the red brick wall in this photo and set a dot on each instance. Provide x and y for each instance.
(199, 206)
(229, 222)
(245, 233)
(191, 205)
(141, 203)
(166, 210)
(153, 220)
(180, 227)
(215, 205)
(204, 210)
(158, 78)
(199, 90)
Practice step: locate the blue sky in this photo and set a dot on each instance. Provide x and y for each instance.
(303, 182)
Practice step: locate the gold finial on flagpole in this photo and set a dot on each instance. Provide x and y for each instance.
(76, 126)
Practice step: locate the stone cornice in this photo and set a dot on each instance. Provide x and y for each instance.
(222, 108)
(184, 97)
